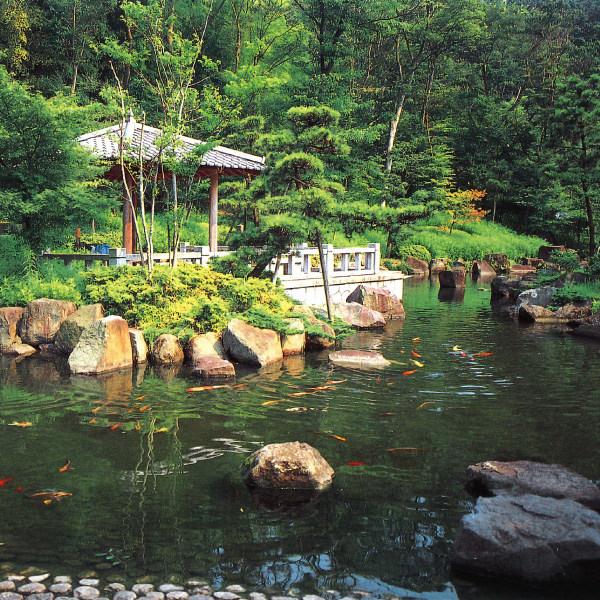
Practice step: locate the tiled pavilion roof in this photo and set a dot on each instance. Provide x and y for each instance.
(105, 143)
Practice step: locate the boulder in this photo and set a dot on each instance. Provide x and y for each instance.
(104, 346)
(527, 477)
(438, 264)
(293, 343)
(379, 299)
(498, 261)
(18, 349)
(251, 345)
(418, 267)
(358, 359)
(205, 344)
(506, 287)
(9, 321)
(539, 297)
(522, 270)
(482, 268)
(453, 279)
(318, 341)
(42, 319)
(574, 311)
(532, 312)
(167, 350)
(139, 348)
(533, 539)
(358, 316)
(210, 366)
(73, 326)
(544, 252)
(292, 465)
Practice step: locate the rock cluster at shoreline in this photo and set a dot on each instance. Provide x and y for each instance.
(97, 344)
(45, 587)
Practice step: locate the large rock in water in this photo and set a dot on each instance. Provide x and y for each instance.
(529, 538)
(539, 297)
(316, 341)
(74, 325)
(358, 359)
(42, 319)
(104, 346)
(293, 343)
(209, 367)
(453, 279)
(358, 316)
(498, 262)
(482, 268)
(251, 345)
(418, 267)
(531, 312)
(381, 300)
(293, 465)
(205, 344)
(527, 477)
(167, 350)
(139, 347)
(9, 321)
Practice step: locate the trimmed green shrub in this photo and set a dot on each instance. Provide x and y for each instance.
(415, 250)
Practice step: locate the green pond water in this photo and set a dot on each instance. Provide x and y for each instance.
(154, 478)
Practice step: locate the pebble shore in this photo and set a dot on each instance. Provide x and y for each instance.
(45, 587)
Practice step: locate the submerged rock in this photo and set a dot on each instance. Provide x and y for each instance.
(209, 367)
(291, 465)
(533, 539)
(527, 477)
(359, 359)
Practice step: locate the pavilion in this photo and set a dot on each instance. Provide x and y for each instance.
(219, 161)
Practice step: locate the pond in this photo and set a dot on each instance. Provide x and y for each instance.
(153, 468)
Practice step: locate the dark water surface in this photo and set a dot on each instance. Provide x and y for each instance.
(160, 494)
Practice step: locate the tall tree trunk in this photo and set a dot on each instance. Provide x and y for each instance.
(586, 193)
(325, 276)
(394, 124)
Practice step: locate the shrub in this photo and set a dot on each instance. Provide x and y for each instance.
(414, 250)
(567, 260)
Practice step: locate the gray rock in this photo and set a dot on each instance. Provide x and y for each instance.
(455, 278)
(42, 319)
(359, 359)
(74, 325)
(167, 350)
(312, 597)
(213, 367)
(178, 595)
(225, 596)
(529, 538)
(62, 579)
(62, 589)
(381, 300)
(358, 316)
(236, 589)
(155, 595)
(39, 578)
(205, 344)
(199, 596)
(482, 268)
(116, 587)
(32, 588)
(142, 588)
(86, 592)
(10, 596)
(7, 586)
(169, 587)
(292, 465)
(526, 477)
(139, 348)
(531, 312)
(538, 297)
(195, 583)
(92, 582)
(125, 595)
(44, 596)
(251, 345)
(257, 596)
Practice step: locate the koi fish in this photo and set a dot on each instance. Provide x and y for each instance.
(23, 424)
(336, 437)
(131, 409)
(302, 393)
(415, 340)
(385, 415)
(161, 430)
(49, 497)
(297, 409)
(206, 387)
(4, 481)
(414, 353)
(144, 408)
(239, 385)
(137, 426)
(456, 349)
(92, 421)
(355, 464)
(115, 426)
(391, 383)
(272, 402)
(141, 398)
(336, 382)
(483, 354)
(68, 466)
(18, 489)
(463, 353)
(378, 380)
(416, 363)
(407, 450)
(267, 389)
(95, 410)
(425, 404)
(409, 372)
(322, 387)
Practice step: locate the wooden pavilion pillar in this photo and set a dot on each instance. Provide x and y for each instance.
(129, 241)
(213, 214)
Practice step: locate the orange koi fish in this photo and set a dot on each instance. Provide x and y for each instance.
(95, 410)
(302, 393)
(18, 489)
(272, 402)
(68, 466)
(409, 372)
(48, 497)
(355, 464)
(115, 426)
(239, 385)
(141, 398)
(321, 387)
(144, 408)
(92, 421)
(4, 481)
(336, 437)
(206, 387)
(336, 382)
(23, 424)
(414, 353)
(484, 354)
(415, 340)
(425, 404)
